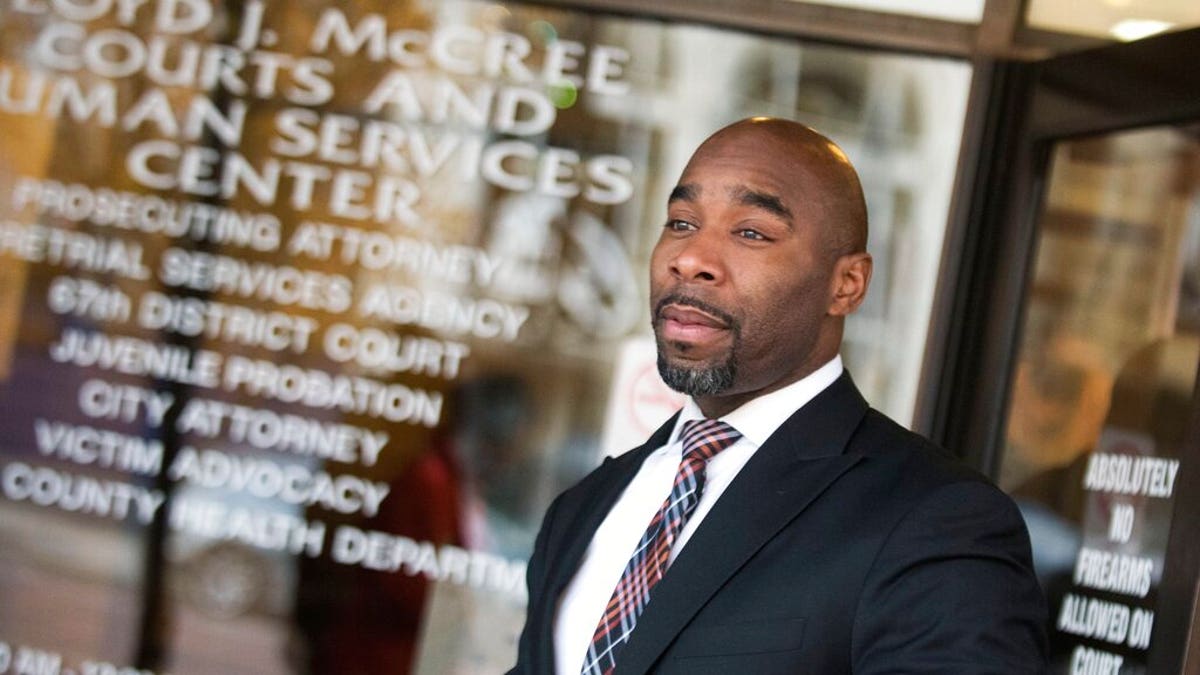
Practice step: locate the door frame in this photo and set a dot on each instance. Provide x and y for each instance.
(979, 311)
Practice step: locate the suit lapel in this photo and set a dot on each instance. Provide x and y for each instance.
(583, 521)
(800, 460)
(580, 516)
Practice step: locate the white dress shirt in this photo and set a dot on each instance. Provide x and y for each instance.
(585, 598)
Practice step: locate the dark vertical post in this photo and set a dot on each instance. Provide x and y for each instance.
(152, 626)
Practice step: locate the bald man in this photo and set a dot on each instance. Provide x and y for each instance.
(776, 524)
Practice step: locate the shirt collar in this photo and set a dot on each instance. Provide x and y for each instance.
(758, 418)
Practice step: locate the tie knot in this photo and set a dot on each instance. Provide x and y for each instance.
(704, 438)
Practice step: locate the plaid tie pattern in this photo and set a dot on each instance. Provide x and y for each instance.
(701, 440)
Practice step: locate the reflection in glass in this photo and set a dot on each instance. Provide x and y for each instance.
(1106, 369)
(436, 282)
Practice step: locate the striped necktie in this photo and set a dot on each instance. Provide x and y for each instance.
(701, 440)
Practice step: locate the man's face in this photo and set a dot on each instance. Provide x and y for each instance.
(740, 280)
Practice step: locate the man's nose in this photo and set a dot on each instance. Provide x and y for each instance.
(699, 259)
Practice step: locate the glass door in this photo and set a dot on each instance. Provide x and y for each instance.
(1102, 387)
(1072, 366)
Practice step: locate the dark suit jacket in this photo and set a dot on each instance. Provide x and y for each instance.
(845, 545)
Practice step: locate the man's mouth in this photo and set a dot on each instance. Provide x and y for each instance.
(681, 320)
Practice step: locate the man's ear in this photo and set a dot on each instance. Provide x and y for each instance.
(851, 277)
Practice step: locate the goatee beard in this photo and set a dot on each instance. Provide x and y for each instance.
(703, 381)
(709, 380)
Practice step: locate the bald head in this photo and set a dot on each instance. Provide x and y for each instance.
(760, 260)
(811, 163)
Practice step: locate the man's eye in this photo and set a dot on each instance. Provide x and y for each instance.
(680, 225)
(751, 234)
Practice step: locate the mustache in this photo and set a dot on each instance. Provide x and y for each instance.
(689, 301)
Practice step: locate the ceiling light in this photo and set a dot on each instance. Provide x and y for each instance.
(1129, 30)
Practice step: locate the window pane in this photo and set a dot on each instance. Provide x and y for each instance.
(1103, 387)
(966, 11)
(306, 314)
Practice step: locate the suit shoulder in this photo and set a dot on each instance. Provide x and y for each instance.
(918, 458)
(906, 478)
